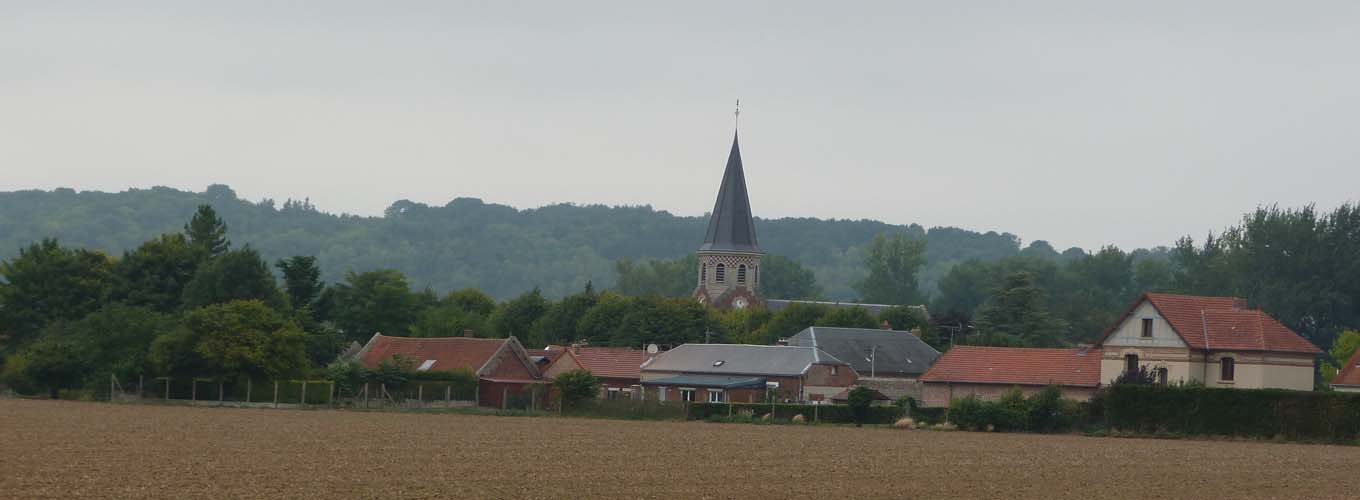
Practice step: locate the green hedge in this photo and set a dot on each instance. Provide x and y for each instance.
(821, 413)
(1044, 411)
(1330, 416)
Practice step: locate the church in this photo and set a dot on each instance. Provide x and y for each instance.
(729, 259)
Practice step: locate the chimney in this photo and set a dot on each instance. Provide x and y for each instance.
(885, 325)
(916, 331)
(468, 333)
(575, 348)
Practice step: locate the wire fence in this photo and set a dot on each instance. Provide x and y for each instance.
(287, 393)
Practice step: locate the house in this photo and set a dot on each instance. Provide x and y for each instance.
(1347, 378)
(617, 368)
(502, 367)
(1217, 341)
(888, 361)
(988, 372)
(745, 373)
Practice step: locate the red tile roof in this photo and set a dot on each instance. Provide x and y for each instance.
(449, 353)
(1349, 374)
(1017, 366)
(1230, 324)
(611, 362)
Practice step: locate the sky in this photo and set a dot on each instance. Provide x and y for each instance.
(1080, 123)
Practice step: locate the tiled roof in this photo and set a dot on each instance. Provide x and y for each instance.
(1221, 323)
(720, 381)
(448, 353)
(739, 359)
(1017, 366)
(612, 362)
(871, 351)
(1349, 374)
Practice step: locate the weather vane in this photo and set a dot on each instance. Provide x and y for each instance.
(736, 115)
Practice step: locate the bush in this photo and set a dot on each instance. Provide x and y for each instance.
(1045, 411)
(860, 398)
(576, 386)
(1265, 413)
(840, 414)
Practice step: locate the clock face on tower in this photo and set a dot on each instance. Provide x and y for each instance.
(739, 303)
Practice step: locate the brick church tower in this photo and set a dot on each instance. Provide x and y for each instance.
(729, 260)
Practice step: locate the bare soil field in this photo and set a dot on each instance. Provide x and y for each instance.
(64, 449)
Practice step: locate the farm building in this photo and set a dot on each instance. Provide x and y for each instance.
(1347, 378)
(617, 368)
(888, 361)
(744, 373)
(988, 372)
(503, 368)
(1217, 341)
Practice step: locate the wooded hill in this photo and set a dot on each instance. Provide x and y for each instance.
(468, 243)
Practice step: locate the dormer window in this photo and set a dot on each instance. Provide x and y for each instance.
(741, 274)
(720, 273)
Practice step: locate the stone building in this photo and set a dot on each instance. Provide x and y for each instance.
(729, 259)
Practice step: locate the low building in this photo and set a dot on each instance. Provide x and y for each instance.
(888, 361)
(503, 368)
(617, 368)
(1217, 341)
(1347, 378)
(988, 372)
(745, 373)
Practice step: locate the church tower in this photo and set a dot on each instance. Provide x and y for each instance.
(729, 260)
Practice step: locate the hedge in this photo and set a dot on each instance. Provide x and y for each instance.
(821, 413)
(1330, 416)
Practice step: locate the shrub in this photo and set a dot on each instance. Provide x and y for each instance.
(860, 398)
(576, 386)
(1264, 413)
(1046, 411)
(840, 414)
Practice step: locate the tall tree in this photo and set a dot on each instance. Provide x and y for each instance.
(234, 339)
(517, 316)
(892, 266)
(378, 301)
(234, 275)
(155, 274)
(48, 282)
(785, 278)
(207, 233)
(301, 280)
(559, 324)
(1018, 313)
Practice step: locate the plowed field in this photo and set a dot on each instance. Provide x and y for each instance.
(63, 449)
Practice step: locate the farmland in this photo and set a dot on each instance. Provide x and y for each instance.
(68, 449)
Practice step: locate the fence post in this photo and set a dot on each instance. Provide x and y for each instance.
(276, 394)
(729, 408)
(167, 388)
(219, 393)
(140, 394)
(420, 394)
(365, 395)
(815, 411)
(249, 382)
(193, 389)
(448, 395)
(330, 395)
(113, 380)
(303, 401)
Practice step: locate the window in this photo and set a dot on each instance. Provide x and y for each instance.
(424, 367)
(719, 362)
(612, 394)
(1226, 369)
(834, 369)
(703, 272)
(741, 274)
(715, 395)
(1147, 328)
(1161, 376)
(687, 394)
(1131, 363)
(660, 393)
(720, 273)
(755, 274)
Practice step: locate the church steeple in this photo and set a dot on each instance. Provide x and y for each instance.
(730, 227)
(729, 259)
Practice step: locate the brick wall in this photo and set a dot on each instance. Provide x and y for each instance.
(939, 394)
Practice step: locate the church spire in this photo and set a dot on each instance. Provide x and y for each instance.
(730, 227)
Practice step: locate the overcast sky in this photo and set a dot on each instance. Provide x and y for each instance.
(1128, 123)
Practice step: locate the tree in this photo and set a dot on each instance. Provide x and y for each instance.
(47, 282)
(517, 316)
(892, 266)
(904, 318)
(234, 339)
(472, 300)
(666, 321)
(1341, 352)
(745, 326)
(559, 324)
(667, 278)
(233, 275)
(54, 363)
(1019, 310)
(448, 320)
(576, 386)
(155, 274)
(848, 317)
(301, 280)
(859, 400)
(207, 233)
(793, 319)
(785, 278)
(375, 302)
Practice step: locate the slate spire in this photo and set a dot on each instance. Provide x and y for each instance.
(731, 228)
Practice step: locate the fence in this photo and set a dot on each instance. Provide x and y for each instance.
(628, 409)
(783, 411)
(289, 393)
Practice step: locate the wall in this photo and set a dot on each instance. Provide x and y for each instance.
(1182, 365)
(939, 394)
(1254, 370)
(894, 387)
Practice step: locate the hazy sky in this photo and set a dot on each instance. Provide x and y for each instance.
(1082, 123)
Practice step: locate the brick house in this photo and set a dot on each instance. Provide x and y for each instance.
(1217, 341)
(888, 361)
(745, 373)
(617, 368)
(502, 367)
(988, 372)
(1347, 377)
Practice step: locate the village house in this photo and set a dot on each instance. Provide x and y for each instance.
(502, 367)
(988, 372)
(888, 361)
(1217, 341)
(745, 373)
(617, 368)
(1347, 378)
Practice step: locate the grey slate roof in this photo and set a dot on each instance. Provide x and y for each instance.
(720, 381)
(738, 359)
(730, 227)
(898, 353)
(774, 305)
